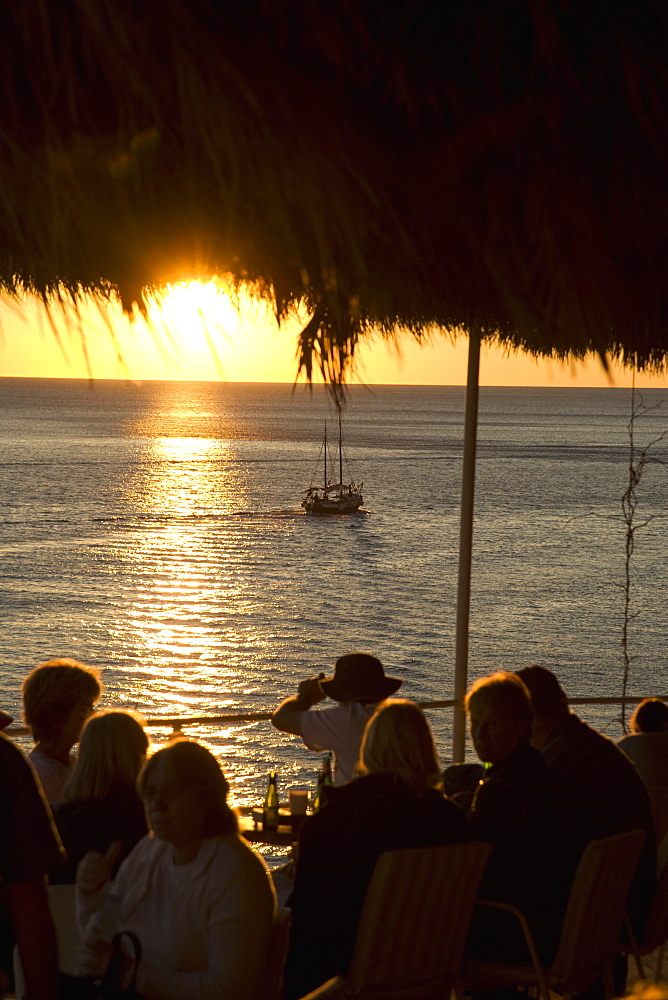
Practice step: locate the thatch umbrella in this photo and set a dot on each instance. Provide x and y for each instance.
(490, 166)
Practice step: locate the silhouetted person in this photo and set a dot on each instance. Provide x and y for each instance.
(518, 809)
(598, 777)
(199, 899)
(395, 803)
(29, 852)
(358, 684)
(100, 801)
(647, 746)
(58, 697)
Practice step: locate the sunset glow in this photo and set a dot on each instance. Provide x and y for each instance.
(203, 331)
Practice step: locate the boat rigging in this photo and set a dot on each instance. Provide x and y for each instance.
(333, 498)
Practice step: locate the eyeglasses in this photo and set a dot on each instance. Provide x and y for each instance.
(168, 791)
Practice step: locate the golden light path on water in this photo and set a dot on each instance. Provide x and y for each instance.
(183, 571)
(174, 618)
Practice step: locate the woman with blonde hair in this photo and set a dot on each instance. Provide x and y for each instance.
(100, 803)
(394, 802)
(399, 740)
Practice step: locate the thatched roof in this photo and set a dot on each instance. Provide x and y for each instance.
(492, 165)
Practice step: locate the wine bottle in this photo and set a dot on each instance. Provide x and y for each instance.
(325, 782)
(270, 809)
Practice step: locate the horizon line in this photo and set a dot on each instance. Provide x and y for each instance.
(129, 380)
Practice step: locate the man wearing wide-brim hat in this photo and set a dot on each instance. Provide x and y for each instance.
(358, 684)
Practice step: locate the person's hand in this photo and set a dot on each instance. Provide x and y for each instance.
(95, 869)
(94, 958)
(309, 691)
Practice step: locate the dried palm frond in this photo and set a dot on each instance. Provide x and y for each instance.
(487, 165)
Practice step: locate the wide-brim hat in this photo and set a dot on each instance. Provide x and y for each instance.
(359, 677)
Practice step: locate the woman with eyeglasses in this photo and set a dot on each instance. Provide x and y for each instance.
(199, 899)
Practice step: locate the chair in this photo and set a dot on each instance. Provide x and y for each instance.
(414, 925)
(658, 798)
(278, 946)
(591, 930)
(656, 927)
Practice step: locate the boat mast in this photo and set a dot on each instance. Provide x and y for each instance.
(325, 484)
(340, 451)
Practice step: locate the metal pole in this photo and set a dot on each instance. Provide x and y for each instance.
(465, 547)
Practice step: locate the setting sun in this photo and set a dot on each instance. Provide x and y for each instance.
(194, 312)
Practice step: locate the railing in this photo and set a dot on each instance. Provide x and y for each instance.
(177, 722)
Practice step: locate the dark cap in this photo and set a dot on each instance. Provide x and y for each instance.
(359, 677)
(5, 719)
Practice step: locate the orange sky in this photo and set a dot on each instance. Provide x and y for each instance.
(195, 322)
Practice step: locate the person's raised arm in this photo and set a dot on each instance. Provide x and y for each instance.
(287, 717)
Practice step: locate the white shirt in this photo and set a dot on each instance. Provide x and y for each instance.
(204, 927)
(339, 730)
(51, 773)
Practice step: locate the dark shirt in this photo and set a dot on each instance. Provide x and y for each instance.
(338, 849)
(518, 809)
(94, 824)
(609, 794)
(460, 782)
(29, 845)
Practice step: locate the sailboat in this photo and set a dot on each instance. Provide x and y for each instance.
(333, 498)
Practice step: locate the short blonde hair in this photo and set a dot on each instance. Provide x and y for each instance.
(398, 739)
(112, 750)
(52, 689)
(503, 690)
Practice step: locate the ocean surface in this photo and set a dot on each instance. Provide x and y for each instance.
(155, 531)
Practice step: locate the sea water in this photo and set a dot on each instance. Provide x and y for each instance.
(155, 531)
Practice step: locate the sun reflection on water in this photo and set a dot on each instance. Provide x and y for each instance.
(187, 474)
(191, 615)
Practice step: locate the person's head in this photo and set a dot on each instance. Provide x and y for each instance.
(112, 750)
(58, 696)
(650, 716)
(398, 740)
(548, 701)
(359, 677)
(500, 715)
(185, 794)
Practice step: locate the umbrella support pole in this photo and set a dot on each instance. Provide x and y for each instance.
(465, 547)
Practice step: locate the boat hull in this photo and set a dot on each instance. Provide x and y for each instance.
(346, 504)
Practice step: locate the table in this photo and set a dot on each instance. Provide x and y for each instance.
(250, 828)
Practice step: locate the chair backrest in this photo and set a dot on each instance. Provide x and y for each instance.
(592, 925)
(658, 797)
(416, 916)
(662, 854)
(656, 928)
(278, 946)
